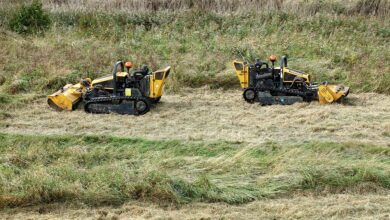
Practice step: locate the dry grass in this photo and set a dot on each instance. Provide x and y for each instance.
(271, 152)
(340, 206)
(104, 170)
(212, 115)
(305, 136)
(85, 44)
(365, 7)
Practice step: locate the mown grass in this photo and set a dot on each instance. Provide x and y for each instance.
(105, 170)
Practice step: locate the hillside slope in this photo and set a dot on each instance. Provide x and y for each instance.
(203, 152)
(199, 44)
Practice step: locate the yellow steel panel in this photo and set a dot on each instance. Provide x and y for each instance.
(157, 84)
(242, 73)
(127, 92)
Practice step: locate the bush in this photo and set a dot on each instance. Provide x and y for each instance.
(30, 19)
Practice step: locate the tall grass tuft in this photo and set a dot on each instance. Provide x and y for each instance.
(365, 7)
(340, 42)
(30, 19)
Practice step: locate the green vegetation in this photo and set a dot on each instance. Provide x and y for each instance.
(333, 45)
(30, 19)
(332, 40)
(101, 170)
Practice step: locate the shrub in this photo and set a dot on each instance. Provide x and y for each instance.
(30, 19)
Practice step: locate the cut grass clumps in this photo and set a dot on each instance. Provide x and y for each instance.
(105, 170)
(4, 115)
(347, 177)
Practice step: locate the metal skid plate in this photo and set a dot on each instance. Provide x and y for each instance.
(124, 107)
(265, 98)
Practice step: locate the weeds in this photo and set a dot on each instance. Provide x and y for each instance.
(199, 46)
(104, 170)
(30, 19)
(329, 39)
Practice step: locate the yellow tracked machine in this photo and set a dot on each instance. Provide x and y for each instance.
(124, 92)
(269, 85)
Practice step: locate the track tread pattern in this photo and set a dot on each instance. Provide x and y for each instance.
(105, 100)
(288, 91)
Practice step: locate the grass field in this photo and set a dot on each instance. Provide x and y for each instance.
(196, 148)
(202, 153)
(199, 45)
(98, 170)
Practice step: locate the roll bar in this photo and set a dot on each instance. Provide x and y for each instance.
(283, 63)
(114, 71)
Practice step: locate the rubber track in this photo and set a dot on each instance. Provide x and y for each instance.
(110, 99)
(289, 91)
